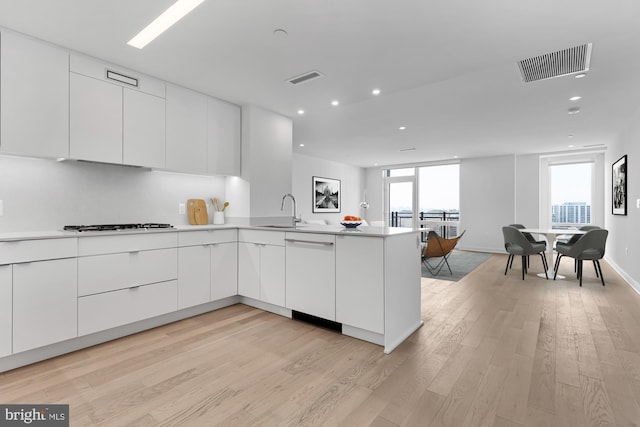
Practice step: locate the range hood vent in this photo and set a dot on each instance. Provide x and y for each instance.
(303, 78)
(556, 64)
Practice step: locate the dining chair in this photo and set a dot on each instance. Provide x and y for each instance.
(529, 237)
(515, 243)
(568, 240)
(439, 247)
(590, 246)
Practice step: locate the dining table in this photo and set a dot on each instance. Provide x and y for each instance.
(551, 234)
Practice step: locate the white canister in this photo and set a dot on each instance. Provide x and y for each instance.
(218, 218)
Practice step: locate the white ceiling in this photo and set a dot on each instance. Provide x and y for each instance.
(447, 68)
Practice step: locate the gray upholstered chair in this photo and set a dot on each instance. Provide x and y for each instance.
(515, 243)
(568, 240)
(529, 238)
(589, 246)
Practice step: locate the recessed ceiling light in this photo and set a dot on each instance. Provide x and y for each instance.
(581, 75)
(301, 112)
(301, 145)
(455, 157)
(402, 128)
(376, 91)
(571, 146)
(575, 98)
(163, 22)
(335, 103)
(375, 164)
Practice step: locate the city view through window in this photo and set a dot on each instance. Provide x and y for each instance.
(571, 194)
(438, 198)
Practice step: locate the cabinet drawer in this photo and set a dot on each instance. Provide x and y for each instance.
(37, 250)
(204, 237)
(117, 308)
(99, 245)
(103, 273)
(262, 237)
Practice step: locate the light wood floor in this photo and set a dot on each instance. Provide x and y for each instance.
(494, 351)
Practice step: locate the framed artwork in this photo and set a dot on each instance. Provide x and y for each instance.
(619, 186)
(326, 195)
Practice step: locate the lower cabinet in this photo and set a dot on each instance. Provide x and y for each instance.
(360, 282)
(261, 266)
(6, 310)
(45, 303)
(311, 274)
(110, 309)
(207, 271)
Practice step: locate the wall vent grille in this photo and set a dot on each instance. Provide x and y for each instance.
(556, 64)
(303, 78)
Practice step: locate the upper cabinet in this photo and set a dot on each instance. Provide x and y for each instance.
(186, 130)
(56, 104)
(223, 135)
(34, 93)
(116, 115)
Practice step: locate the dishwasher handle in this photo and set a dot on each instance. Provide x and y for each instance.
(311, 242)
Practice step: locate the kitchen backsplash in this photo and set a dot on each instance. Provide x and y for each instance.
(42, 194)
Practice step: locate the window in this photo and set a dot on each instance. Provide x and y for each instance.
(570, 186)
(439, 198)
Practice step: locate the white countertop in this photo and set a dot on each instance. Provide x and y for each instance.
(302, 228)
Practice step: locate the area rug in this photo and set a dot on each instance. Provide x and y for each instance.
(461, 262)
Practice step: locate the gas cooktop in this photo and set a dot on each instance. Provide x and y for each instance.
(115, 227)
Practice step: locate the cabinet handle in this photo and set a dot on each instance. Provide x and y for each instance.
(311, 242)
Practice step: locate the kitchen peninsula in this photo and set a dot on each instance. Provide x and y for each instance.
(62, 290)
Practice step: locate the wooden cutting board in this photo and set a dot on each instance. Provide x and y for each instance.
(197, 212)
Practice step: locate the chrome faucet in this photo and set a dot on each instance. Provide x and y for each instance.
(293, 199)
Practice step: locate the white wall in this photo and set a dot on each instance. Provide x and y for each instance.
(352, 183)
(623, 244)
(43, 194)
(374, 181)
(266, 160)
(487, 201)
(527, 191)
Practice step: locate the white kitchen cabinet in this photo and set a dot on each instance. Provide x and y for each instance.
(186, 130)
(194, 276)
(224, 270)
(111, 309)
(144, 127)
(223, 137)
(311, 274)
(261, 266)
(95, 120)
(104, 273)
(249, 270)
(34, 93)
(45, 304)
(6, 310)
(360, 282)
(207, 267)
(112, 121)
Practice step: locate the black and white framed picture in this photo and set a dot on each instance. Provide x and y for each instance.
(619, 186)
(326, 195)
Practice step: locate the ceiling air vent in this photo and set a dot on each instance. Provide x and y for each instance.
(556, 64)
(303, 78)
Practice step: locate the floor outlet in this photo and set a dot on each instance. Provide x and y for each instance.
(182, 208)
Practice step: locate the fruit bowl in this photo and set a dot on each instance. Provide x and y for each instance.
(350, 224)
